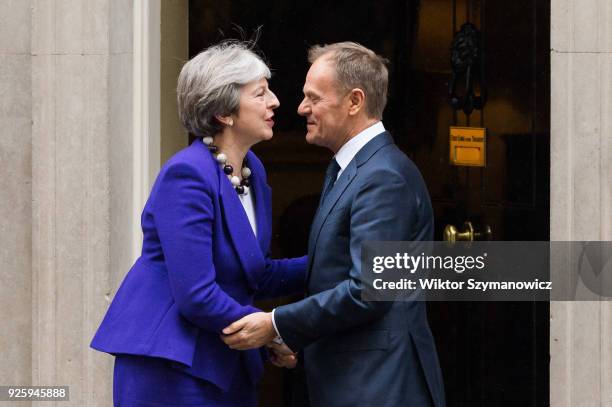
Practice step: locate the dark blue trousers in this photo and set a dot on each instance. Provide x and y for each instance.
(141, 381)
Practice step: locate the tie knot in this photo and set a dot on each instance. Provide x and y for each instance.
(332, 170)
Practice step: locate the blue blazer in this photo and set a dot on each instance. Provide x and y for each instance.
(200, 269)
(359, 353)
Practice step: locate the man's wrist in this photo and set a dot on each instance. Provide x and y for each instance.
(278, 339)
(271, 330)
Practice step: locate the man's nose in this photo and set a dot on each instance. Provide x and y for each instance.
(303, 108)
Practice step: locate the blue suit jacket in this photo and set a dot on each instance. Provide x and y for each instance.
(359, 353)
(201, 268)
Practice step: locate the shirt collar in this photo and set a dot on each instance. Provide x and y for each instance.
(352, 147)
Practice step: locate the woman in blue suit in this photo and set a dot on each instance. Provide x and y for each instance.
(207, 229)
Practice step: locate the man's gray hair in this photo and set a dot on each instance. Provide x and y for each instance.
(209, 84)
(357, 67)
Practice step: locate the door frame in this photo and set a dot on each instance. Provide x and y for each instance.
(146, 137)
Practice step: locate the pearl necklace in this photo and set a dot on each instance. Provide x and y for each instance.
(240, 186)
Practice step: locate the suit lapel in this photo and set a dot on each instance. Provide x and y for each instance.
(262, 196)
(248, 248)
(347, 176)
(323, 211)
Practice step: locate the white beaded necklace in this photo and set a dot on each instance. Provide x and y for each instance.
(241, 186)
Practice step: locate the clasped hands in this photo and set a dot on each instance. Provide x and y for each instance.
(254, 331)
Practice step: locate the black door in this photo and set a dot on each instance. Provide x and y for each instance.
(492, 354)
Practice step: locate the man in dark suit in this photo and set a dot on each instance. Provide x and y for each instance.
(356, 352)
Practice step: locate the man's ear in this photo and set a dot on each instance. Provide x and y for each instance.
(225, 120)
(356, 99)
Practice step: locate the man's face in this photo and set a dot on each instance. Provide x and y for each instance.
(325, 109)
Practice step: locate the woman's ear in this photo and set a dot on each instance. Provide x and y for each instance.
(225, 120)
(356, 101)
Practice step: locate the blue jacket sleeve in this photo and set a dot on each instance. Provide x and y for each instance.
(283, 277)
(183, 216)
(382, 211)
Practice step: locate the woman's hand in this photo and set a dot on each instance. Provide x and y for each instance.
(252, 331)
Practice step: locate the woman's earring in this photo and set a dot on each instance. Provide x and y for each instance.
(230, 123)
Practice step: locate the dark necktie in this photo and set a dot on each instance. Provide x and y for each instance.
(330, 177)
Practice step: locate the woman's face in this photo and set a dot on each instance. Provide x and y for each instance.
(255, 112)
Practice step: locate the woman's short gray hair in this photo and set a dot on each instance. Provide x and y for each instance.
(209, 84)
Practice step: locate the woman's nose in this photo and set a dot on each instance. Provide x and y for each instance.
(273, 102)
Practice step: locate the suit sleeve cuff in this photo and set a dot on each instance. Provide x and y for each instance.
(278, 338)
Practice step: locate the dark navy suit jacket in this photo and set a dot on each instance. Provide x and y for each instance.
(359, 353)
(201, 268)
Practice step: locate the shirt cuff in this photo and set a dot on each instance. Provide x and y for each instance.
(278, 338)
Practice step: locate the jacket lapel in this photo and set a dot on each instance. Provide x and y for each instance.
(262, 196)
(323, 211)
(347, 176)
(248, 248)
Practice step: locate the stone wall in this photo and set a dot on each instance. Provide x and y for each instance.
(81, 138)
(581, 194)
(16, 187)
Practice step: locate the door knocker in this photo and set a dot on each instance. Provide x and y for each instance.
(466, 61)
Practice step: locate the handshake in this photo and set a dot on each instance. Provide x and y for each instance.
(257, 330)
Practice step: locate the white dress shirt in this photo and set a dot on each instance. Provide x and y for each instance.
(350, 149)
(249, 208)
(343, 157)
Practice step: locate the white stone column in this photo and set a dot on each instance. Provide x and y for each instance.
(581, 194)
(81, 135)
(174, 53)
(16, 187)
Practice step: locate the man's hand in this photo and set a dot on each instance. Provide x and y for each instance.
(286, 361)
(280, 349)
(250, 332)
(281, 355)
